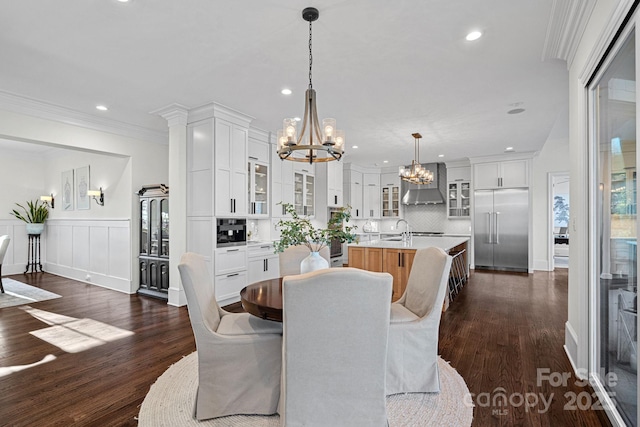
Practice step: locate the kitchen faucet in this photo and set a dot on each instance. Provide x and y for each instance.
(406, 234)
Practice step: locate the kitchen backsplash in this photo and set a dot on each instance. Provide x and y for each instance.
(425, 218)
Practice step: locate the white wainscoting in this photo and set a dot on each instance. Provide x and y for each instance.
(16, 258)
(92, 251)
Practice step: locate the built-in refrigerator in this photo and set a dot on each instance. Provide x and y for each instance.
(501, 229)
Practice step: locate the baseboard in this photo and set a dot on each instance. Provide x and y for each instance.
(541, 265)
(92, 278)
(571, 348)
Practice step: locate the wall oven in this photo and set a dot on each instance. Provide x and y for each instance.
(231, 232)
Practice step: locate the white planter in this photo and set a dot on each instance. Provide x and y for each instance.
(313, 262)
(33, 228)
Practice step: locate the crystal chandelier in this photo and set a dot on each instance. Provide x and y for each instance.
(416, 174)
(313, 144)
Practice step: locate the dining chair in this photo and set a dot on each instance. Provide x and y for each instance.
(4, 244)
(292, 256)
(412, 353)
(335, 325)
(239, 355)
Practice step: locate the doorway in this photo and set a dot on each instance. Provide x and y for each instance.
(559, 222)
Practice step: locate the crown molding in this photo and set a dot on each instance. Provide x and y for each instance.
(567, 23)
(174, 114)
(525, 155)
(44, 110)
(219, 111)
(259, 134)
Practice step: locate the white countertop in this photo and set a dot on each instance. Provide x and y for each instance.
(443, 242)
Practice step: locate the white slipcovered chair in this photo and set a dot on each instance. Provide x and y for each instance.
(291, 258)
(239, 355)
(412, 353)
(4, 244)
(334, 348)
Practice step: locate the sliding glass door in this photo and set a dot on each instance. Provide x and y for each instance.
(614, 220)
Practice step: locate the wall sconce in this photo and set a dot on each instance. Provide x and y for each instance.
(49, 200)
(97, 195)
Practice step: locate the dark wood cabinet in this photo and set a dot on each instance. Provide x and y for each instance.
(154, 241)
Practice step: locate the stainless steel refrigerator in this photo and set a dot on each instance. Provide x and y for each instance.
(501, 229)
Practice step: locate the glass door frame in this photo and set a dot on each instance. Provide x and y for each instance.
(630, 28)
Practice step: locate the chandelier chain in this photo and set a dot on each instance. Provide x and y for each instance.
(310, 57)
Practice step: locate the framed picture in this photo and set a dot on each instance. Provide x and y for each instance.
(67, 190)
(82, 186)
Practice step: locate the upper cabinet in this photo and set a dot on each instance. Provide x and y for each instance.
(334, 184)
(304, 189)
(390, 185)
(230, 168)
(458, 192)
(258, 171)
(371, 196)
(503, 174)
(281, 183)
(352, 187)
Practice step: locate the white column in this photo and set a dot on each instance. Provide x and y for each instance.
(176, 116)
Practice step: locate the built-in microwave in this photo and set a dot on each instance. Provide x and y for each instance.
(231, 232)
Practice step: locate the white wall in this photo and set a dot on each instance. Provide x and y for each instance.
(120, 164)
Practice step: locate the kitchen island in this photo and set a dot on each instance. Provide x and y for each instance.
(396, 257)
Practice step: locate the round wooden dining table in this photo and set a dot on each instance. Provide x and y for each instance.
(263, 299)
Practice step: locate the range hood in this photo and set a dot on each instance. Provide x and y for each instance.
(427, 194)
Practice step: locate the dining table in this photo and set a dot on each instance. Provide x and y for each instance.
(263, 299)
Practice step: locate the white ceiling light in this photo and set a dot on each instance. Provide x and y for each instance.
(508, 149)
(416, 174)
(473, 35)
(315, 143)
(354, 146)
(101, 107)
(286, 91)
(385, 161)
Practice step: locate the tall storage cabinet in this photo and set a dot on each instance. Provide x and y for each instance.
(153, 259)
(390, 183)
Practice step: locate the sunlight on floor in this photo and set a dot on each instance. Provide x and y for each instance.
(74, 335)
(6, 370)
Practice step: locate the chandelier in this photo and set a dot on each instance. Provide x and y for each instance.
(313, 143)
(416, 174)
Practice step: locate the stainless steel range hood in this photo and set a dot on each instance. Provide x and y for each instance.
(427, 194)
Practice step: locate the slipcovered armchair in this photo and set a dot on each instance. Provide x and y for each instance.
(291, 258)
(4, 244)
(412, 355)
(239, 355)
(334, 348)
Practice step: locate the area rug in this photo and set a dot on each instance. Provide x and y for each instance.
(18, 293)
(169, 403)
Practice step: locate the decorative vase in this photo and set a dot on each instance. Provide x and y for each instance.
(35, 228)
(313, 262)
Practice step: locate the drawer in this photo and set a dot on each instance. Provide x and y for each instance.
(230, 260)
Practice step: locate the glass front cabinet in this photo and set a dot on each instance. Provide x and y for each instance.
(304, 193)
(258, 189)
(458, 198)
(153, 259)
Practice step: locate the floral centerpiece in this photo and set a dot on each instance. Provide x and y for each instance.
(35, 216)
(300, 231)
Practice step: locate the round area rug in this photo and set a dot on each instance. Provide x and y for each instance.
(169, 403)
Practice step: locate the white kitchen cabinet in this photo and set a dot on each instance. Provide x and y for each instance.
(459, 199)
(334, 184)
(200, 169)
(352, 187)
(304, 189)
(263, 263)
(230, 273)
(230, 168)
(258, 173)
(371, 196)
(504, 174)
(281, 183)
(390, 185)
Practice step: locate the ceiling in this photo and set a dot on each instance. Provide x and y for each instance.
(383, 69)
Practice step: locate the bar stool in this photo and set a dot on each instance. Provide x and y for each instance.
(457, 275)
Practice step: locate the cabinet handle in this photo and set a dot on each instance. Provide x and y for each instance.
(233, 250)
(305, 210)
(253, 158)
(371, 212)
(336, 200)
(399, 264)
(265, 247)
(459, 179)
(231, 205)
(357, 214)
(234, 274)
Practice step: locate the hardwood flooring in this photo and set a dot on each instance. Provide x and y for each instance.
(497, 332)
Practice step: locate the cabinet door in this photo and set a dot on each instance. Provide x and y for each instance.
(515, 174)
(356, 257)
(223, 172)
(392, 259)
(256, 270)
(309, 195)
(374, 259)
(486, 175)
(238, 153)
(371, 202)
(453, 197)
(230, 260)
(258, 189)
(334, 184)
(272, 267)
(228, 286)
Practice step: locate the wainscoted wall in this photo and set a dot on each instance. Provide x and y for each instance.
(15, 260)
(93, 251)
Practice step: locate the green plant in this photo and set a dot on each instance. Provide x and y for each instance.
(300, 231)
(36, 214)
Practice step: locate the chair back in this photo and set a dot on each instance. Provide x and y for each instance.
(291, 258)
(4, 244)
(428, 279)
(335, 330)
(200, 292)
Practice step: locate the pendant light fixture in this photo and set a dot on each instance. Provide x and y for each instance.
(416, 174)
(313, 144)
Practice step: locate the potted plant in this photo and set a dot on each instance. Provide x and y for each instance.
(300, 231)
(35, 216)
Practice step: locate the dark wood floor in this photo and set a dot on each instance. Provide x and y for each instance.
(499, 330)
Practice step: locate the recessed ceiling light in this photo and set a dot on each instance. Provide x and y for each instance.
(473, 35)
(385, 161)
(297, 119)
(440, 155)
(354, 146)
(286, 91)
(101, 107)
(508, 149)
(516, 111)
(123, 1)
